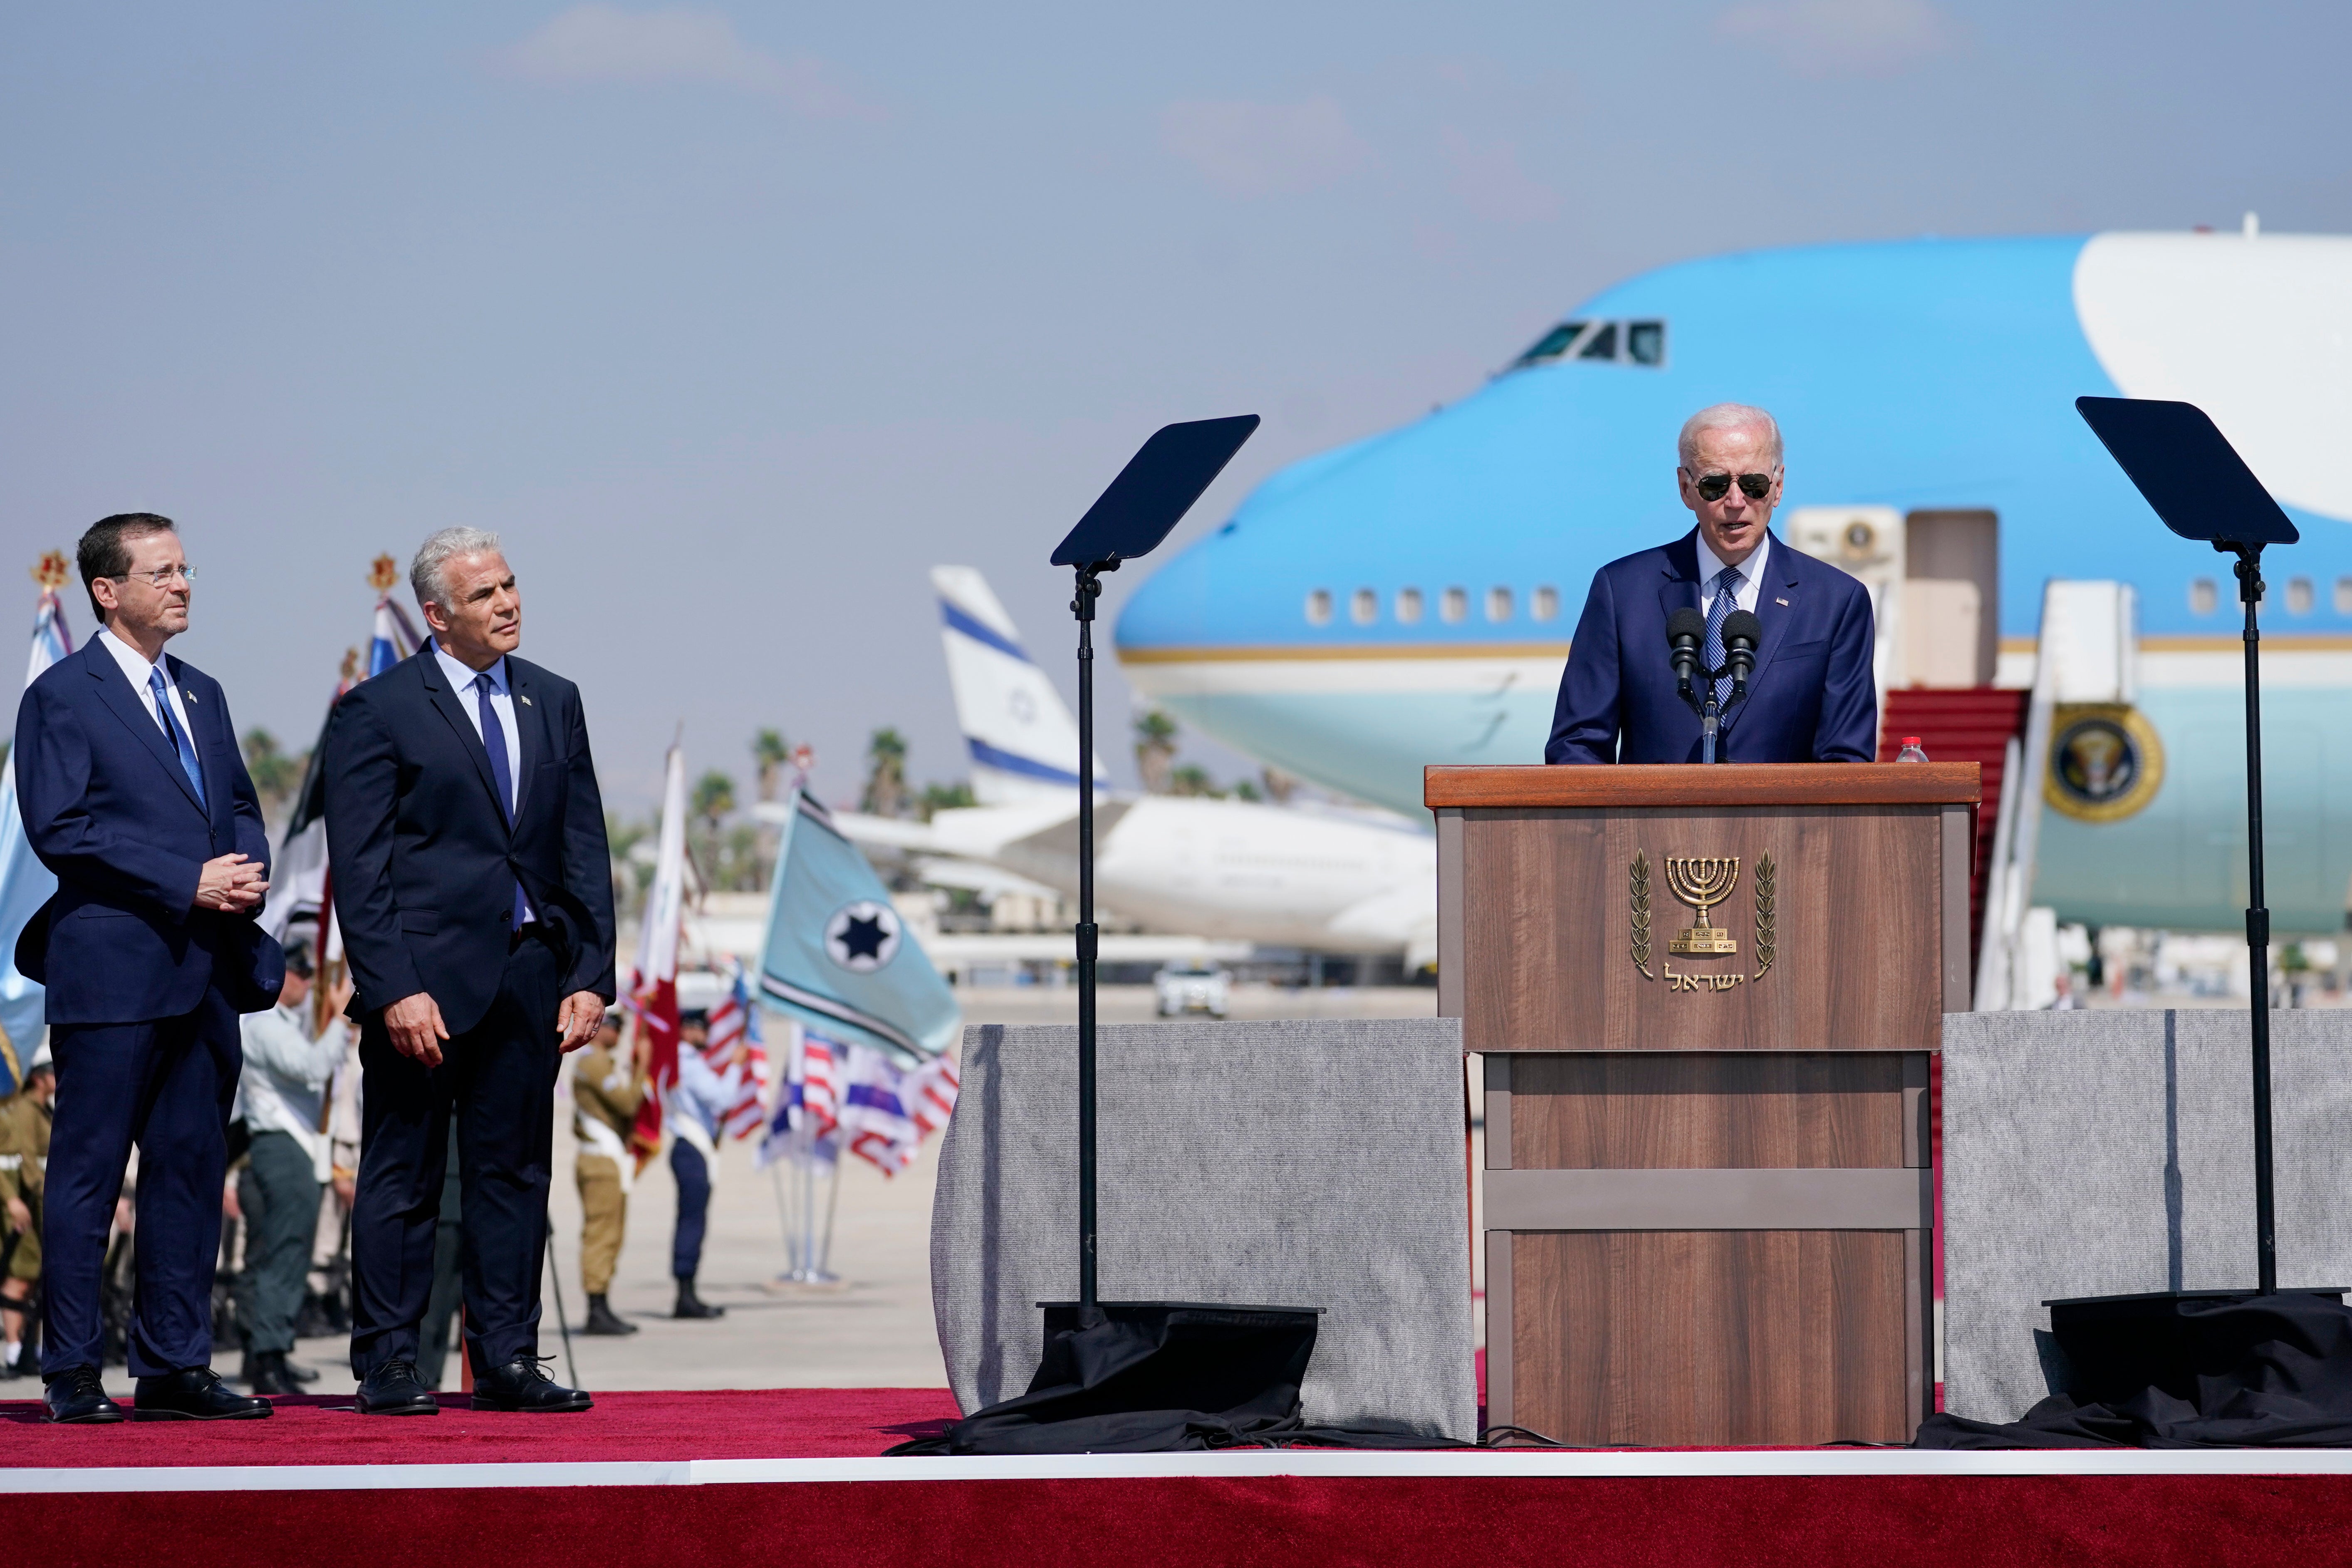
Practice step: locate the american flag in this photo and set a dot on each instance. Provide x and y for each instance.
(735, 1026)
(810, 1097)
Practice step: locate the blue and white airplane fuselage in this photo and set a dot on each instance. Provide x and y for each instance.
(1408, 599)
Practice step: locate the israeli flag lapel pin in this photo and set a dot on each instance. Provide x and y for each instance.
(521, 698)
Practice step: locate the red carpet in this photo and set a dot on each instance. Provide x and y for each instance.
(759, 1424)
(248, 1495)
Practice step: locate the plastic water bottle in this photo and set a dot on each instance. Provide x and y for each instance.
(1910, 752)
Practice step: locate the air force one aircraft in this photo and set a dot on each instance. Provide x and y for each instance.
(1330, 879)
(1408, 599)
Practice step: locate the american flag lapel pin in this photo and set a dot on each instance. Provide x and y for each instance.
(1777, 600)
(189, 695)
(521, 698)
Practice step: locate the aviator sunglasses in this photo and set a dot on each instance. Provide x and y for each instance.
(1715, 487)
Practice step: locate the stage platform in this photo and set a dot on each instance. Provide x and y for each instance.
(798, 1476)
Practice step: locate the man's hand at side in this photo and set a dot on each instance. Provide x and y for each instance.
(578, 1018)
(230, 882)
(415, 1028)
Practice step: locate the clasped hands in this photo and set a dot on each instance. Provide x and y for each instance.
(234, 883)
(416, 1029)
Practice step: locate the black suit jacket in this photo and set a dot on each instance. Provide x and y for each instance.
(109, 810)
(423, 862)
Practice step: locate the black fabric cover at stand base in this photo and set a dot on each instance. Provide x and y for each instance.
(1160, 1377)
(2259, 1371)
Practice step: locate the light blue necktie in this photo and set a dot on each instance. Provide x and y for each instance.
(1728, 583)
(164, 716)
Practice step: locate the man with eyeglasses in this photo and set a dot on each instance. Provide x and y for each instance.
(133, 794)
(1812, 696)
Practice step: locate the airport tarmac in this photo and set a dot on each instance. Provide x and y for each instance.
(875, 1329)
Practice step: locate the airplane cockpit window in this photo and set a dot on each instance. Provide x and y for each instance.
(1610, 342)
(1552, 345)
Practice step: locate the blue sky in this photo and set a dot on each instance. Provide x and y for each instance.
(734, 319)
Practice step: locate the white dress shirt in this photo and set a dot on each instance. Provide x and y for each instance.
(282, 1086)
(1710, 567)
(136, 669)
(502, 703)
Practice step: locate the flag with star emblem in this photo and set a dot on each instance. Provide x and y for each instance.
(838, 957)
(24, 883)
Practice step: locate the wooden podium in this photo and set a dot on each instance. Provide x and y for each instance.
(1705, 998)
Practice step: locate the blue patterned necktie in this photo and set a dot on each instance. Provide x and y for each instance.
(1728, 583)
(494, 740)
(164, 716)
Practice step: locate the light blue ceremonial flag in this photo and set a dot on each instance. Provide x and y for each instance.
(837, 956)
(24, 883)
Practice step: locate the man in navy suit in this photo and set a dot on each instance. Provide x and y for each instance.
(1811, 698)
(475, 891)
(134, 794)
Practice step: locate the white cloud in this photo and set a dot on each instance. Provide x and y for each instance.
(1842, 38)
(1488, 179)
(1264, 149)
(599, 42)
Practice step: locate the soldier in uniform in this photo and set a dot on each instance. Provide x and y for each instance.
(606, 1090)
(23, 1154)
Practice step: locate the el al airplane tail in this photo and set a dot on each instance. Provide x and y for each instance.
(1023, 738)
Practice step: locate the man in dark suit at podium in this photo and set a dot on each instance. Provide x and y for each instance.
(1811, 698)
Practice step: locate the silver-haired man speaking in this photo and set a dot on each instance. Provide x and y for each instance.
(475, 891)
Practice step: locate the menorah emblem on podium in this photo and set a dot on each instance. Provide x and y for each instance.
(1702, 881)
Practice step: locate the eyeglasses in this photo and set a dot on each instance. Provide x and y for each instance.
(161, 575)
(1715, 487)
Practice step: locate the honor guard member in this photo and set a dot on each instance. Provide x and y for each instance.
(1811, 695)
(607, 1087)
(694, 1109)
(24, 1153)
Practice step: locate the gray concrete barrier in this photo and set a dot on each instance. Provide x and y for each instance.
(1306, 1164)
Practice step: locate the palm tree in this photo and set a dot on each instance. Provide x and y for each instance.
(276, 776)
(1155, 750)
(886, 775)
(770, 752)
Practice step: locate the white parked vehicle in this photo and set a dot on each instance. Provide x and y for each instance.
(1194, 988)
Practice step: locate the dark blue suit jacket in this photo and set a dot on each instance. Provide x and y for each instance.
(1811, 699)
(109, 810)
(425, 864)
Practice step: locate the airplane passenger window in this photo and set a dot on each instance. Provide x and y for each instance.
(1552, 345)
(1452, 604)
(1498, 603)
(2202, 596)
(2344, 595)
(2298, 595)
(1318, 607)
(1645, 342)
(1544, 603)
(1407, 606)
(1364, 606)
(1604, 344)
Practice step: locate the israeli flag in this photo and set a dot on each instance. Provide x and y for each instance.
(395, 637)
(838, 958)
(24, 883)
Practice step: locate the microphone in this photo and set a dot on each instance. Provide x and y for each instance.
(1685, 629)
(1741, 633)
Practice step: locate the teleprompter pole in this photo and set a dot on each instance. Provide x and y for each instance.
(1089, 587)
(2258, 919)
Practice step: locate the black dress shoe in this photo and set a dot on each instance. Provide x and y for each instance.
(690, 1305)
(78, 1395)
(266, 1372)
(524, 1384)
(192, 1393)
(394, 1389)
(602, 1319)
(300, 1373)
